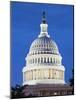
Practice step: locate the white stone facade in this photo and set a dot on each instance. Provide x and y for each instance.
(43, 62)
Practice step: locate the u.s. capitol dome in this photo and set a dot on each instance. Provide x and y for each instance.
(43, 62)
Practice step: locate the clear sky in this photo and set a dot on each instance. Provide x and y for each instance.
(25, 27)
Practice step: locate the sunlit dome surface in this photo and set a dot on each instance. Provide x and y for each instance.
(44, 45)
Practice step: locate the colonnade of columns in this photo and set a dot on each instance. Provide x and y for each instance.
(36, 74)
(44, 60)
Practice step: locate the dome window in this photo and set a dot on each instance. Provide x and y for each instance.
(41, 60)
(51, 60)
(38, 60)
(44, 60)
(48, 60)
(33, 60)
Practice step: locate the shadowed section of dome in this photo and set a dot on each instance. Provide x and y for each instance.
(44, 45)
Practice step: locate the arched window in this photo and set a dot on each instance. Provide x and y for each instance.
(41, 60)
(48, 60)
(54, 60)
(38, 60)
(51, 60)
(35, 60)
(44, 60)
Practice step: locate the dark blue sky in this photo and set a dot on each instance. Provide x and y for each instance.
(25, 27)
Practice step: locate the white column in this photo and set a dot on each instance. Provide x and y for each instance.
(41, 72)
(63, 75)
(34, 74)
(27, 75)
(31, 75)
(39, 77)
(50, 73)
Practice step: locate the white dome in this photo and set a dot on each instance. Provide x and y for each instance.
(43, 45)
(43, 62)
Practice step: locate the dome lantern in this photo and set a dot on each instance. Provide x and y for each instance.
(44, 27)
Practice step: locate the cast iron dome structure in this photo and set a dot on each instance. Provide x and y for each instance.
(43, 62)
